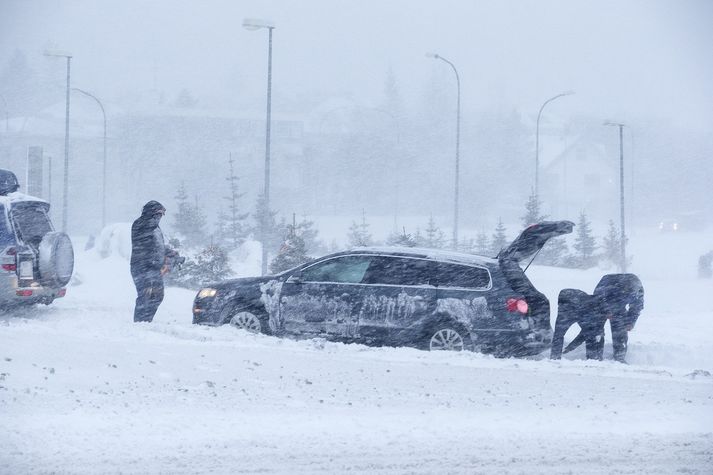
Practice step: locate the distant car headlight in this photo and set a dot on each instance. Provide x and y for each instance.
(207, 293)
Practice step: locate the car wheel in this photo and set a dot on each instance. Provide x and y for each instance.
(447, 338)
(246, 321)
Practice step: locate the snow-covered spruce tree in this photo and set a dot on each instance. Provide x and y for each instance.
(467, 245)
(402, 239)
(266, 226)
(359, 235)
(499, 240)
(584, 244)
(308, 233)
(532, 211)
(555, 252)
(211, 265)
(481, 244)
(236, 226)
(292, 253)
(611, 245)
(221, 234)
(189, 220)
(433, 237)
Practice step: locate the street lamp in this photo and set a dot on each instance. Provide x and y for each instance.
(68, 57)
(253, 24)
(457, 172)
(621, 190)
(81, 91)
(537, 140)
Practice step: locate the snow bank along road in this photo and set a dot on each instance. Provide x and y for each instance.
(84, 390)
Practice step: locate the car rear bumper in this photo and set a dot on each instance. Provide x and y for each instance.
(12, 294)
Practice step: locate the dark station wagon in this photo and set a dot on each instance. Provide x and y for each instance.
(425, 298)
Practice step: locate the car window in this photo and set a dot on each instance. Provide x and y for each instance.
(6, 236)
(386, 270)
(345, 269)
(469, 277)
(31, 221)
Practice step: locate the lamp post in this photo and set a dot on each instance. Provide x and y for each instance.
(68, 57)
(621, 126)
(457, 171)
(537, 140)
(255, 24)
(81, 91)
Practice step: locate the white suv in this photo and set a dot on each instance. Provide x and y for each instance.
(36, 262)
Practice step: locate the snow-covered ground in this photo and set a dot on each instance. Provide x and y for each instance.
(85, 390)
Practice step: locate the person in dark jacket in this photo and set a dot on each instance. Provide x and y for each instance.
(576, 306)
(622, 300)
(619, 299)
(148, 256)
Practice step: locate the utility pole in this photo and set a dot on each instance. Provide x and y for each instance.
(457, 167)
(621, 126)
(65, 193)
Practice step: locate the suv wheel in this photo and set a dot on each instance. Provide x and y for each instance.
(447, 338)
(246, 321)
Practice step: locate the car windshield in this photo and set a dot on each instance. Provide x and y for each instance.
(31, 221)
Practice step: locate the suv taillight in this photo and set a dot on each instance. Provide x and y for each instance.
(9, 263)
(516, 305)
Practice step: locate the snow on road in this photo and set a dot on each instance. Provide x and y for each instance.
(84, 390)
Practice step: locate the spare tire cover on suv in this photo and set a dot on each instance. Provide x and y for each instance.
(56, 259)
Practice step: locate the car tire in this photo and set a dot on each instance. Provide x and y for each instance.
(248, 321)
(447, 336)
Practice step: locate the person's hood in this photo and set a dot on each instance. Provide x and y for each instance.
(152, 208)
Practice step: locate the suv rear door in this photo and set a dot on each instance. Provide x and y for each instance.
(531, 240)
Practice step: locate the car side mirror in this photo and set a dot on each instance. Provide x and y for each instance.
(295, 278)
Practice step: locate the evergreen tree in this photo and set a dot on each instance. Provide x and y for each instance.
(434, 237)
(359, 235)
(211, 265)
(401, 239)
(532, 211)
(306, 231)
(499, 240)
(189, 220)
(555, 252)
(292, 253)
(584, 244)
(266, 226)
(221, 235)
(481, 244)
(236, 220)
(467, 245)
(612, 245)
(393, 103)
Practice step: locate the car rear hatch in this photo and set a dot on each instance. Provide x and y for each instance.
(31, 224)
(526, 245)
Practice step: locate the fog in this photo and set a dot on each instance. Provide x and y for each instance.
(363, 122)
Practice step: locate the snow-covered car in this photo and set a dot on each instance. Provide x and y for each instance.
(36, 262)
(429, 299)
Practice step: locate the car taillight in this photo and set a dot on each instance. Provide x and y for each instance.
(24, 293)
(10, 263)
(516, 305)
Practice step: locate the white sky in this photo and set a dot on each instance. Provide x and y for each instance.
(625, 60)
